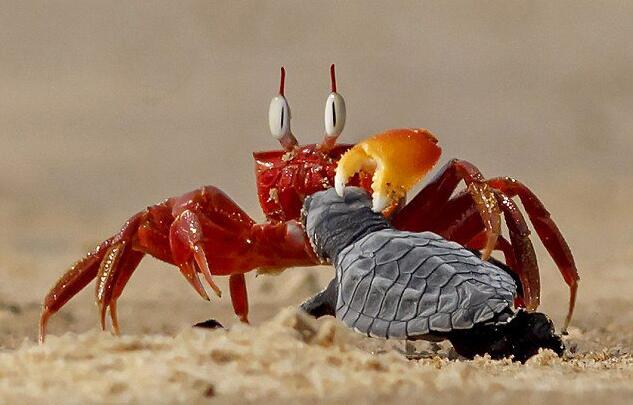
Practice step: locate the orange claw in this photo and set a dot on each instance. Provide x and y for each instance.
(398, 159)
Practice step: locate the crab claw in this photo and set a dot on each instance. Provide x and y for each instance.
(398, 159)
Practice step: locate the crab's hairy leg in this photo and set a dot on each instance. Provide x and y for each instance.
(526, 264)
(128, 264)
(106, 278)
(115, 271)
(548, 232)
(239, 296)
(83, 272)
(70, 283)
(490, 215)
(422, 210)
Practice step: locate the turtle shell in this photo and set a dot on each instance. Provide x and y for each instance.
(404, 285)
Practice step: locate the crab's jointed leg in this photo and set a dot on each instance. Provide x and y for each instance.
(459, 218)
(203, 231)
(186, 238)
(239, 296)
(423, 209)
(503, 245)
(129, 263)
(98, 262)
(70, 283)
(526, 265)
(547, 231)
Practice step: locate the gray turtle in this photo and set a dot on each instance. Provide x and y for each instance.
(403, 285)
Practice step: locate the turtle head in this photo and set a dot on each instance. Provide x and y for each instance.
(332, 222)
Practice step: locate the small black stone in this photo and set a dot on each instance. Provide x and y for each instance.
(209, 324)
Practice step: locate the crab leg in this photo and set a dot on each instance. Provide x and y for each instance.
(74, 280)
(503, 245)
(115, 270)
(420, 213)
(202, 231)
(459, 221)
(547, 231)
(526, 265)
(239, 297)
(188, 269)
(186, 243)
(106, 278)
(83, 272)
(128, 264)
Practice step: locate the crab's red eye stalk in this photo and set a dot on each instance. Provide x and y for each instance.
(282, 81)
(334, 113)
(332, 78)
(279, 117)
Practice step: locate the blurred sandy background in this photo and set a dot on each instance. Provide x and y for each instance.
(107, 107)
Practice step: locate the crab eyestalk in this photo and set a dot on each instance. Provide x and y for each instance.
(398, 159)
(279, 117)
(334, 114)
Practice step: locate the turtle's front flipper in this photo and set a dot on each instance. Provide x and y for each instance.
(323, 303)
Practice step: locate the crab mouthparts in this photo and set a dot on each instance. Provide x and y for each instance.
(397, 158)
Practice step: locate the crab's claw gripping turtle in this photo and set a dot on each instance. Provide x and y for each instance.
(398, 159)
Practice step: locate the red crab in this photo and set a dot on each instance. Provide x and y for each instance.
(204, 231)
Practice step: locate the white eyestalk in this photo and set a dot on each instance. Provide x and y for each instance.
(334, 113)
(279, 117)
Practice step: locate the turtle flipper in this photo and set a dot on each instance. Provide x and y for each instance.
(323, 303)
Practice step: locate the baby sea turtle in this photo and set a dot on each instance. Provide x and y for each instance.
(394, 284)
